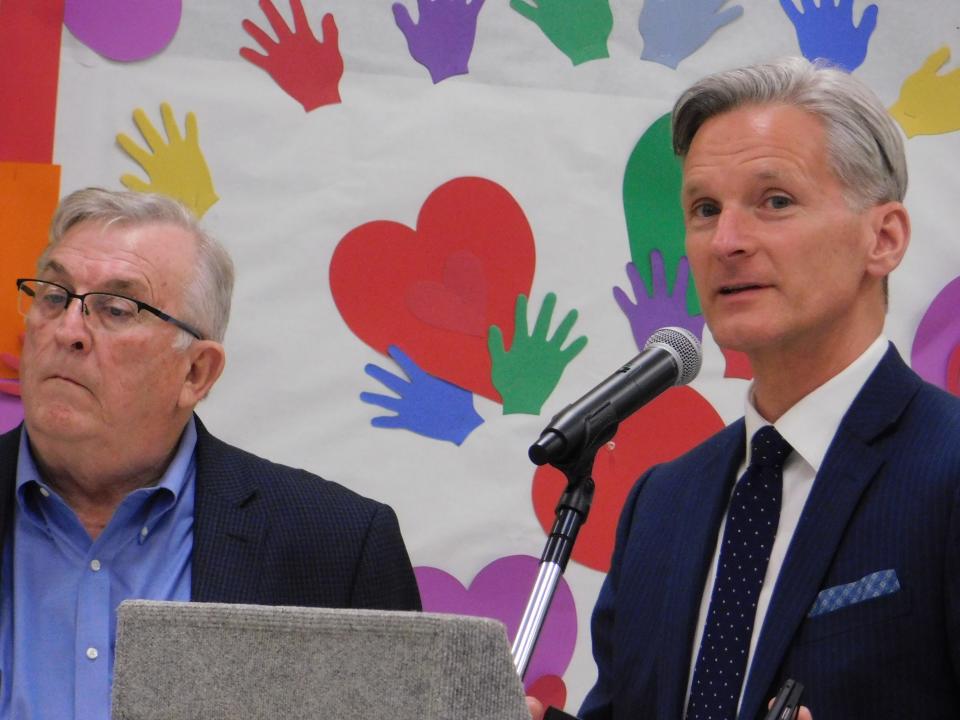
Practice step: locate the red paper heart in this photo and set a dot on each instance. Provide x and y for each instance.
(549, 690)
(459, 302)
(953, 371)
(474, 244)
(666, 428)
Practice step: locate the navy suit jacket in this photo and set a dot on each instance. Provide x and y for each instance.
(272, 535)
(886, 497)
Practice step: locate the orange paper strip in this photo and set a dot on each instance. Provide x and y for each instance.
(28, 197)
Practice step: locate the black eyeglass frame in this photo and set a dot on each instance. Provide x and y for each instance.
(82, 296)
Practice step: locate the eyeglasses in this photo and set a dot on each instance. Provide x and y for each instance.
(47, 301)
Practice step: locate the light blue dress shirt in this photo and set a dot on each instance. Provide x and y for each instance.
(60, 590)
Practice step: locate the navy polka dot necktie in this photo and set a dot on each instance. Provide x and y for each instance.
(744, 554)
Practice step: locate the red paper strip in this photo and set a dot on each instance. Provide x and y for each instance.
(29, 70)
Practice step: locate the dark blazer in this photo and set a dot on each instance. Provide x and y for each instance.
(887, 497)
(272, 535)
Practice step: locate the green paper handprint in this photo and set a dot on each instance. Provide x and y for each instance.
(177, 167)
(527, 373)
(579, 28)
(651, 204)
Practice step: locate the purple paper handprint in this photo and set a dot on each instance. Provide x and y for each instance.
(426, 405)
(660, 308)
(443, 38)
(674, 29)
(827, 31)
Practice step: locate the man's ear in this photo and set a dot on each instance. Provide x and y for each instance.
(890, 236)
(207, 359)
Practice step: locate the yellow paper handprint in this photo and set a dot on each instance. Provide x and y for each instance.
(929, 104)
(177, 167)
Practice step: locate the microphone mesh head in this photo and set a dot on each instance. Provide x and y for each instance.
(685, 348)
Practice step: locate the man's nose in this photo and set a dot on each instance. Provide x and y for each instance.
(731, 234)
(72, 328)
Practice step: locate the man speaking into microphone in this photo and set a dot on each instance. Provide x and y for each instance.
(818, 537)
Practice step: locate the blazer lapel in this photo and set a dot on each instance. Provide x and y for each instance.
(703, 506)
(228, 525)
(851, 463)
(9, 449)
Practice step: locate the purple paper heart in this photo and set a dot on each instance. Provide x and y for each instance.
(937, 336)
(500, 591)
(123, 30)
(11, 412)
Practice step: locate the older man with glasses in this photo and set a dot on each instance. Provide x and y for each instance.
(113, 489)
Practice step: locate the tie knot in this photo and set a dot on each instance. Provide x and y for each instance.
(768, 448)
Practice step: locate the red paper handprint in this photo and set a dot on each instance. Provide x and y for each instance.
(307, 69)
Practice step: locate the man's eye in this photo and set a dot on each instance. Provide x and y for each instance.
(779, 202)
(52, 298)
(706, 209)
(114, 308)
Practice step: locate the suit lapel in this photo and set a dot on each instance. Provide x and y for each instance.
(228, 525)
(9, 449)
(850, 465)
(703, 505)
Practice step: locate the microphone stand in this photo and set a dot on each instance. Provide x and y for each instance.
(572, 510)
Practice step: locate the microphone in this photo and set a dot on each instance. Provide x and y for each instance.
(670, 357)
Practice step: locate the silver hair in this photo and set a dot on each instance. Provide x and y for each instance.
(864, 145)
(207, 297)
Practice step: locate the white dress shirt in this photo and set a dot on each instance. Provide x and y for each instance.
(809, 427)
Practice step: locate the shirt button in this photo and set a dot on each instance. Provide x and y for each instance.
(92, 653)
(44, 491)
(144, 531)
(95, 565)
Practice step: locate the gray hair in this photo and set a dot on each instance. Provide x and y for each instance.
(864, 145)
(207, 297)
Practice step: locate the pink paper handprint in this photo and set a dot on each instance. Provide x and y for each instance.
(443, 38)
(307, 69)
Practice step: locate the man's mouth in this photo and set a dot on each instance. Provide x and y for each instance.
(739, 288)
(66, 379)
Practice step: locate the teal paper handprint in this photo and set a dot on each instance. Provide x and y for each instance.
(527, 373)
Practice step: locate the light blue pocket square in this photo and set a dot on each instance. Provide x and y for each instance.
(874, 585)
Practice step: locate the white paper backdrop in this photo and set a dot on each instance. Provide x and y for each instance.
(557, 137)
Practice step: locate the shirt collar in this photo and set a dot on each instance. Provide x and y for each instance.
(173, 479)
(809, 426)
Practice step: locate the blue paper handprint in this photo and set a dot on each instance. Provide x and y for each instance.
(674, 29)
(827, 31)
(443, 38)
(660, 308)
(426, 405)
